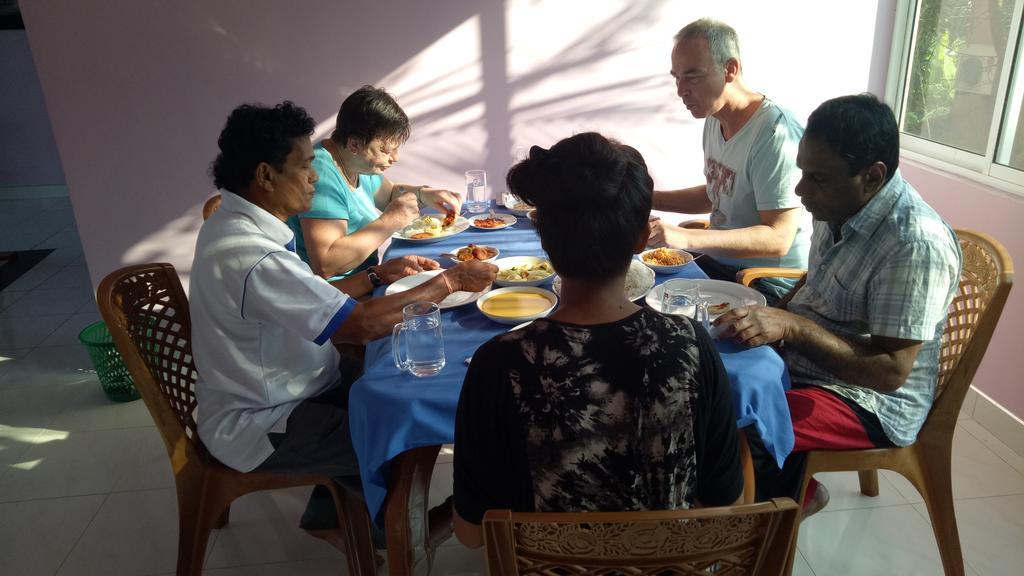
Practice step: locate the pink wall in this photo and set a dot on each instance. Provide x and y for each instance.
(139, 89)
(28, 154)
(967, 204)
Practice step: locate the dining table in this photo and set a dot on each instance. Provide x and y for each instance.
(399, 422)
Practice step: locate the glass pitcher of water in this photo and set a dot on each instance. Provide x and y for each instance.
(421, 351)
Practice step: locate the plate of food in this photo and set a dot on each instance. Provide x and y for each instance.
(666, 260)
(523, 271)
(514, 305)
(432, 228)
(473, 252)
(518, 207)
(493, 222)
(720, 295)
(453, 300)
(639, 281)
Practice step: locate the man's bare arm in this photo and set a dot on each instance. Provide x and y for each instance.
(376, 317)
(881, 363)
(686, 200)
(772, 238)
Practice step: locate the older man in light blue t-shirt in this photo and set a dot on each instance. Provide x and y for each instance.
(750, 146)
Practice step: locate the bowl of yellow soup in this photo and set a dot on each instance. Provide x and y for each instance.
(517, 304)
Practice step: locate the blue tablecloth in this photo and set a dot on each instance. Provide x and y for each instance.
(391, 411)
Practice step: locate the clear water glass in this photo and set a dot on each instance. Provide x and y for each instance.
(478, 194)
(680, 297)
(421, 351)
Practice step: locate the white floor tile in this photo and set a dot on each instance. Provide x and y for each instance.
(991, 533)
(90, 409)
(65, 255)
(315, 567)
(67, 333)
(76, 464)
(35, 537)
(9, 297)
(844, 492)
(88, 306)
(133, 534)
(28, 332)
(74, 276)
(459, 561)
(150, 466)
(892, 540)
(15, 441)
(10, 357)
(49, 367)
(977, 472)
(801, 567)
(23, 238)
(1015, 460)
(35, 276)
(264, 528)
(35, 405)
(39, 302)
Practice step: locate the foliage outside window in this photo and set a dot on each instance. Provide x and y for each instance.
(959, 102)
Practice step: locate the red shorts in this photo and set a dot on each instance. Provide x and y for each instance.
(821, 420)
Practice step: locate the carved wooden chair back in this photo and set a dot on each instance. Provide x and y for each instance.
(733, 541)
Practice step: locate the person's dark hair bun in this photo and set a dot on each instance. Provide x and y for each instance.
(590, 192)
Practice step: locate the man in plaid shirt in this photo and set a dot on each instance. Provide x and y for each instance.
(860, 333)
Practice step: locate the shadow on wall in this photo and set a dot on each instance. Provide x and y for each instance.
(484, 84)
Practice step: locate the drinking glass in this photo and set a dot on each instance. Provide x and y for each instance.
(478, 194)
(424, 343)
(683, 297)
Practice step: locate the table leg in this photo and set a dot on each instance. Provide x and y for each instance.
(413, 531)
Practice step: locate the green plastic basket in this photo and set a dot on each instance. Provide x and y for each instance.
(117, 383)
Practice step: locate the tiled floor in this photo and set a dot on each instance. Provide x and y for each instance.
(86, 488)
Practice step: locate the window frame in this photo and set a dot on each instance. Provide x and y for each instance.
(977, 167)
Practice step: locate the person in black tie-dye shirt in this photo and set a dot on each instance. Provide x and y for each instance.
(604, 405)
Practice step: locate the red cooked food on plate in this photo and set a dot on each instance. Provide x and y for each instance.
(719, 308)
(449, 219)
(474, 252)
(489, 223)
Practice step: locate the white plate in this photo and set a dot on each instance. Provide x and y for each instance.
(506, 263)
(660, 269)
(645, 285)
(453, 300)
(552, 299)
(508, 219)
(519, 211)
(460, 225)
(491, 259)
(715, 292)
(518, 326)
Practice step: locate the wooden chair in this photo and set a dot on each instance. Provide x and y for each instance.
(147, 313)
(734, 540)
(985, 282)
(211, 206)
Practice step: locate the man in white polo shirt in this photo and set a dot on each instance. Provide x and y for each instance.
(272, 389)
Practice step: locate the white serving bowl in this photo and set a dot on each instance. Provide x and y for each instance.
(518, 319)
(491, 259)
(506, 263)
(687, 258)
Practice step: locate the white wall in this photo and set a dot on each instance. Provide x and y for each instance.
(138, 89)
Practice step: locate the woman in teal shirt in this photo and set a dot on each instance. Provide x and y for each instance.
(355, 208)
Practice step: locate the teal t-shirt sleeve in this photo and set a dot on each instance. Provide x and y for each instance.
(773, 170)
(371, 183)
(330, 196)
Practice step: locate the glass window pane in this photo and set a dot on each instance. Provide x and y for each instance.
(954, 71)
(1010, 149)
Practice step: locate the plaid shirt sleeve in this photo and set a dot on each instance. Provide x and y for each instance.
(910, 292)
